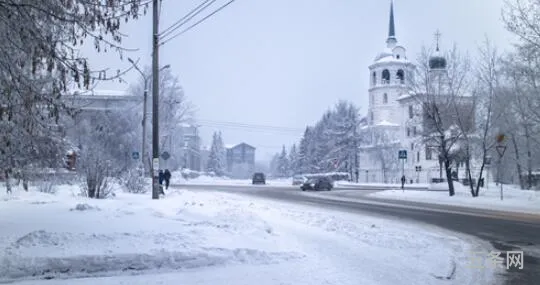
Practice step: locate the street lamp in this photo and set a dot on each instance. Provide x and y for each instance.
(145, 98)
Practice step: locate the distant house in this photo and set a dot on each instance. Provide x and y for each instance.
(240, 160)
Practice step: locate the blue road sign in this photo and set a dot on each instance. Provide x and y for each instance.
(135, 155)
(402, 154)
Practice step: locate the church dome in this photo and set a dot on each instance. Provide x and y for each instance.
(437, 61)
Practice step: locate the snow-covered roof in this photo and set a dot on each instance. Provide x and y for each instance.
(229, 146)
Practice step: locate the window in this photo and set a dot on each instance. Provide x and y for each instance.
(374, 80)
(412, 146)
(371, 115)
(428, 153)
(385, 98)
(397, 56)
(386, 77)
(411, 113)
(408, 132)
(417, 156)
(400, 74)
(414, 131)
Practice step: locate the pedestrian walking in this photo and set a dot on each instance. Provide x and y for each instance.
(167, 177)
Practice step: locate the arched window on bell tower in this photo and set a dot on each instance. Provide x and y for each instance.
(385, 77)
(374, 78)
(400, 74)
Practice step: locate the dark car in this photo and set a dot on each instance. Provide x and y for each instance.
(321, 183)
(258, 178)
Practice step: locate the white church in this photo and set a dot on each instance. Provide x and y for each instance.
(394, 119)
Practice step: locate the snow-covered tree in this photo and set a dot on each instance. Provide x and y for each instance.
(216, 158)
(293, 160)
(105, 139)
(274, 165)
(40, 61)
(283, 164)
(331, 144)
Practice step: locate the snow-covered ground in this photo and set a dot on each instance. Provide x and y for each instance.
(218, 238)
(514, 199)
(339, 184)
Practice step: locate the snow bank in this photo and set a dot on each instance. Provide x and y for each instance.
(514, 199)
(208, 237)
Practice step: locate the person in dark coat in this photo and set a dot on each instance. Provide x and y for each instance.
(167, 177)
(161, 177)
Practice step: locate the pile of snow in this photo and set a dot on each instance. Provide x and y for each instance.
(514, 199)
(217, 238)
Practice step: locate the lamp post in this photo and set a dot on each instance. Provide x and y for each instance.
(146, 78)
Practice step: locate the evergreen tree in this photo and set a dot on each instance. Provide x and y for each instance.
(222, 153)
(293, 161)
(303, 152)
(283, 164)
(215, 157)
(274, 165)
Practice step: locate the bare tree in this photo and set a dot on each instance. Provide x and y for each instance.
(488, 89)
(444, 106)
(175, 109)
(385, 152)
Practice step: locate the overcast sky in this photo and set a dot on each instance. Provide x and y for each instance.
(279, 64)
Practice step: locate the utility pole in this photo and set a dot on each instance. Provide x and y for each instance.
(356, 166)
(145, 99)
(155, 100)
(146, 78)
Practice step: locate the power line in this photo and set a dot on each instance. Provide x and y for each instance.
(197, 23)
(176, 25)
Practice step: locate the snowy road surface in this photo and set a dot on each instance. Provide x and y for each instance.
(218, 238)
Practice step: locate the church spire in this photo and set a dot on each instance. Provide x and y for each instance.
(391, 41)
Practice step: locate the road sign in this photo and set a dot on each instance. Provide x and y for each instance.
(501, 146)
(135, 155)
(500, 138)
(500, 150)
(402, 154)
(165, 155)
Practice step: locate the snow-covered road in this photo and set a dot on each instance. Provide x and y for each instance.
(217, 238)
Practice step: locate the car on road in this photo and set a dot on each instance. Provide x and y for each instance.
(258, 178)
(298, 180)
(320, 183)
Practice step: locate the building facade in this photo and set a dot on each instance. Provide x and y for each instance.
(397, 119)
(240, 160)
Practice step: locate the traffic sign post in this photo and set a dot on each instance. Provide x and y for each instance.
(501, 148)
(402, 155)
(165, 155)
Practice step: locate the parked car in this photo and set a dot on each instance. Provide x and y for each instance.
(298, 180)
(258, 178)
(320, 183)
